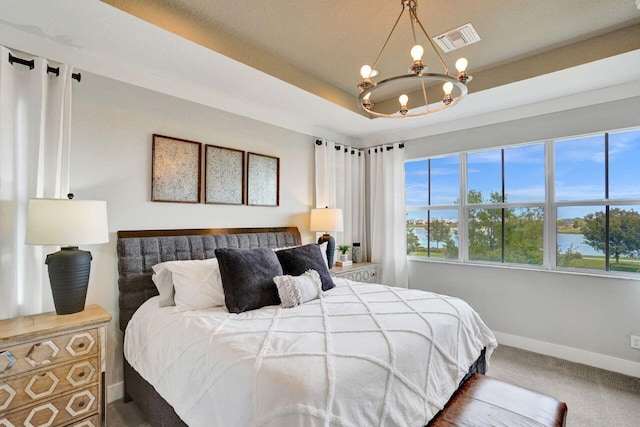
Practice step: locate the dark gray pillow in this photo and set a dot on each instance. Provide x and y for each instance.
(296, 261)
(247, 278)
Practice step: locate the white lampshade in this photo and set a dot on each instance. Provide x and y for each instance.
(63, 222)
(326, 219)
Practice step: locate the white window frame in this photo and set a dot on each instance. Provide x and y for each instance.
(549, 207)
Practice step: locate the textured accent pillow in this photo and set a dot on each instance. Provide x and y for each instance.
(197, 283)
(247, 278)
(296, 261)
(296, 290)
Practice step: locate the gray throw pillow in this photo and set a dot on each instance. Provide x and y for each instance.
(296, 261)
(247, 278)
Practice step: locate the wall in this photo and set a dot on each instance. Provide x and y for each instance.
(580, 317)
(112, 132)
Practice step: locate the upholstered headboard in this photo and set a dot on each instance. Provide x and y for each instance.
(138, 251)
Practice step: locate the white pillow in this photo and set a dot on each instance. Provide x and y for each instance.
(193, 284)
(296, 290)
(162, 279)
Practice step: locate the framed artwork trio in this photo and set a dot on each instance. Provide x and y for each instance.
(230, 176)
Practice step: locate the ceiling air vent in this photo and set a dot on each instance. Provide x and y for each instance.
(457, 38)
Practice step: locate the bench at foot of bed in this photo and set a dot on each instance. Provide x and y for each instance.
(486, 401)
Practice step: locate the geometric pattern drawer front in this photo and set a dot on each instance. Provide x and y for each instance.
(80, 403)
(81, 373)
(38, 354)
(368, 274)
(58, 411)
(29, 388)
(6, 396)
(89, 422)
(80, 344)
(7, 360)
(41, 385)
(42, 353)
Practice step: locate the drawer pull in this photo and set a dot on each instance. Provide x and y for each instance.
(11, 360)
(80, 344)
(82, 399)
(81, 373)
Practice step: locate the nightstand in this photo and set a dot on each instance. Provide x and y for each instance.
(52, 369)
(358, 272)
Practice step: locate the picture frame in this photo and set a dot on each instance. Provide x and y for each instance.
(224, 174)
(176, 170)
(263, 180)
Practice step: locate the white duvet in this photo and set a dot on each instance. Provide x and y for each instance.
(362, 355)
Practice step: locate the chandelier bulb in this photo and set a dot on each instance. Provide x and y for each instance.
(447, 88)
(403, 100)
(461, 64)
(365, 71)
(416, 52)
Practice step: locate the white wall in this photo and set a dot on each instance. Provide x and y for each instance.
(574, 316)
(112, 132)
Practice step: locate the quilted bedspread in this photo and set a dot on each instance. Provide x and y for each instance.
(361, 355)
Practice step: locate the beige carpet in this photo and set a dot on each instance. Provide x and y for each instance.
(596, 398)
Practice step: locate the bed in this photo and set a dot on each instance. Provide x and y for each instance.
(360, 354)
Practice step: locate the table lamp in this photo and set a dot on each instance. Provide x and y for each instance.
(67, 223)
(326, 220)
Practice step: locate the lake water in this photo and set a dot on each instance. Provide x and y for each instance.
(564, 241)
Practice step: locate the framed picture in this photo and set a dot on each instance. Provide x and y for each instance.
(263, 180)
(223, 175)
(175, 170)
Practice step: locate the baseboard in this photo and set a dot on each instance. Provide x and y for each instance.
(596, 360)
(115, 391)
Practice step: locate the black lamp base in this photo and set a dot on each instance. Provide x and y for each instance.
(69, 276)
(331, 248)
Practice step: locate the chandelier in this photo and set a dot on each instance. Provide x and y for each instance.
(417, 80)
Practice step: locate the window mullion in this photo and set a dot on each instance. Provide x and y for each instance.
(550, 208)
(463, 212)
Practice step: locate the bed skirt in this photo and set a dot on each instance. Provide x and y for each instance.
(160, 413)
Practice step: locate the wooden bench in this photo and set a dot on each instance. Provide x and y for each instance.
(485, 401)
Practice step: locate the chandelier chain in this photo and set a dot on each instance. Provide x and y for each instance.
(387, 41)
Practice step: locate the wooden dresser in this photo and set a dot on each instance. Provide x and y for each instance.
(358, 272)
(52, 369)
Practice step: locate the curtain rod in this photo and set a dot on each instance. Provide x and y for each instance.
(375, 150)
(31, 64)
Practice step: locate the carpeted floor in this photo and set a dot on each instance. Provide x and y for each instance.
(595, 397)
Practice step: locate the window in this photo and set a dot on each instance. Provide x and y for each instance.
(569, 204)
(597, 186)
(432, 194)
(505, 201)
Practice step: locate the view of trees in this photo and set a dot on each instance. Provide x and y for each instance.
(624, 232)
(523, 234)
(522, 229)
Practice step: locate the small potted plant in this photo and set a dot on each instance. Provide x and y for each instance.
(343, 252)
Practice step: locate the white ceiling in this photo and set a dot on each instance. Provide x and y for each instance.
(315, 55)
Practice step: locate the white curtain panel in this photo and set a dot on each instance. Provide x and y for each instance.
(35, 119)
(340, 183)
(387, 237)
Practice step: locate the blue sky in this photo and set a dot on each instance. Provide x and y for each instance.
(580, 174)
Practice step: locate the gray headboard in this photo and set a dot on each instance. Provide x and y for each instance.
(138, 251)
